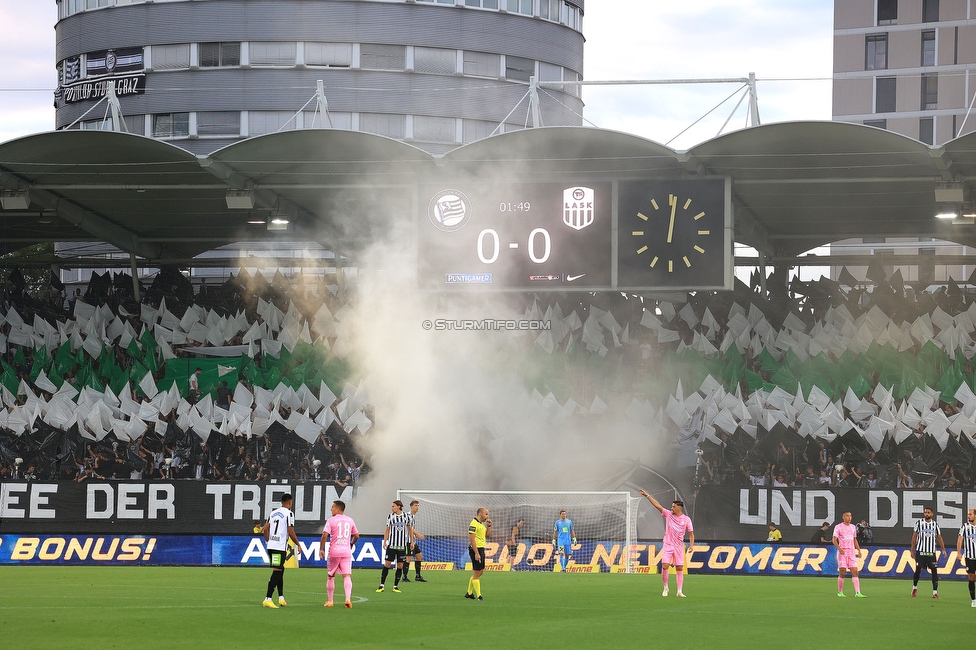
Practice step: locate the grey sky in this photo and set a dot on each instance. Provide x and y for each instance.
(625, 39)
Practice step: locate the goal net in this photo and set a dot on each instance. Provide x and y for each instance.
(605, 524)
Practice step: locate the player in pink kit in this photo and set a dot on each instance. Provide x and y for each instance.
(342, 531)
(676, 524)
(845, 539)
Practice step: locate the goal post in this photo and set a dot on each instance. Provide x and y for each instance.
(605, 524)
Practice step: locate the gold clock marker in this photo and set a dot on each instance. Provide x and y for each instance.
(699, 216)
(704, 232)
(687, 203)
(699, 249)
(687, 263)
(653, 262)
(654, 203)
(638, 233)
(642, 216)
(641, 249)
(670, 266)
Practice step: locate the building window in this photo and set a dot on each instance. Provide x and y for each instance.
(930, 91)
(519, 69)
(876, 52)
(484, 4)
(273, 53)
(219, 123)
(930, 11)
(373, 56)
(878, 124)
(220, 55)
(171, 57)
(482, 64)
(519, 7)
(884, 95)
(171, 125)
(434, 129)
(392, 126)
(928, 47)
(887, 11)
(473, 130)
(135, 124)
(433, 60)
(926, 130)
(333, 55)
(262, 122)
(872, 240)
(549, 9)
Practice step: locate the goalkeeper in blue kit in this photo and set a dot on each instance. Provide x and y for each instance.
(563, 538)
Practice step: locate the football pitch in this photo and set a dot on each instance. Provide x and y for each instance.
(174, 607)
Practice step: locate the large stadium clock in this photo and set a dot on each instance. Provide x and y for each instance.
(674, 234)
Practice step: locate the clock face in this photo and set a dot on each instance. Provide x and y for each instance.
(672, 234)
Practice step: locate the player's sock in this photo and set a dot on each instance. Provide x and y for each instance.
(680, 577)
(347, 586)
(396, 577)
(972, 590)
(416, 567)
(935, 582)
(271, 585)
(386, 572)
(563, 560)
(470, 584)
(477, 587)
(664, 578)
(857, 584)
(330, 588)
(281, 584)
(840, 584)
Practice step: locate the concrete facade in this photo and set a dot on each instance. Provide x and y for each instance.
(206, 73)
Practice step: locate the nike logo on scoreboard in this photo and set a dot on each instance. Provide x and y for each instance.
(573, 278)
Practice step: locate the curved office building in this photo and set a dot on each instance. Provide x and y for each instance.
(205, 73)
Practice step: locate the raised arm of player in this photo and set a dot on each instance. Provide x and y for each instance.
(653, 502)
(487, 528)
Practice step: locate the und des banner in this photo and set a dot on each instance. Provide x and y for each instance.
(744, 514)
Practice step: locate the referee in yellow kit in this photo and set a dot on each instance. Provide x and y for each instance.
(478, 532)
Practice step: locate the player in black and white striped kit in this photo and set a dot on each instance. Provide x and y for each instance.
(966, 548)
(397, 537)
(924, 537)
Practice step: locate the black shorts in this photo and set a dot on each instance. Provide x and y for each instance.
(477, 565)
(970, 566)
(277, 558)
(927, 561)
(395, 554)
(414, 550)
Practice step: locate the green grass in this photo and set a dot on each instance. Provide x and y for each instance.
(165, 607)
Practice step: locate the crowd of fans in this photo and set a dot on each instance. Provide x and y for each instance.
(814, 384)
(166, 444)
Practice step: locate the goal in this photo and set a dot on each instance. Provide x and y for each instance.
(605, 524)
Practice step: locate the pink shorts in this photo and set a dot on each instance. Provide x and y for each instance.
(673, 555)
(848, 560)
(340, 565)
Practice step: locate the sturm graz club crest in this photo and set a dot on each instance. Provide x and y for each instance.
(111, 60)
(449, 210)
(578, 207)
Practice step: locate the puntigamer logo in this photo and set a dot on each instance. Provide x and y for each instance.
(449, 210)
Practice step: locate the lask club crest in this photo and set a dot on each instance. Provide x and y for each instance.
(578, 207)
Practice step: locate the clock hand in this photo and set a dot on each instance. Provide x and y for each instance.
(673, 200)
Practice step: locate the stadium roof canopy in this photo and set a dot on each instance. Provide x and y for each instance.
(795, 186)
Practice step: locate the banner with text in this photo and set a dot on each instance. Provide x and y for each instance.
(159, 507)
(744, 514)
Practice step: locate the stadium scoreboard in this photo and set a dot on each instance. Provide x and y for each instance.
(576, 235)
